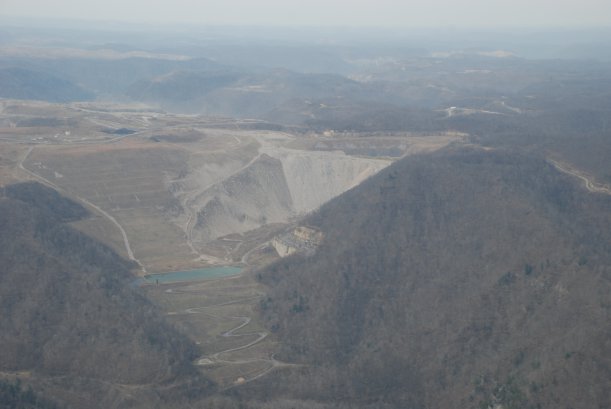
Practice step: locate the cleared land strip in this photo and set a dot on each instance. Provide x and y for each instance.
(244, 321)
(47, 182)
(216, 358)
(588, 183)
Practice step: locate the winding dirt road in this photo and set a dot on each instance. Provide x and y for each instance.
(590, 185)
(114, 221)
(217, 357)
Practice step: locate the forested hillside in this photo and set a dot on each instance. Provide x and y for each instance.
(70, 318)
(14, 396)
(22, 83)
(467, 278)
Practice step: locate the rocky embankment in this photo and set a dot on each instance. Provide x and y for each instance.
(302, 239)
(277, 185)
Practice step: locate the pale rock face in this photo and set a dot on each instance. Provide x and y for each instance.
(249, 199)
(282, 248)
(302, 239)
(278, 184)
(317, 177)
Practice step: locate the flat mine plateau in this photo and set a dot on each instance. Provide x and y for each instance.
(175, 192)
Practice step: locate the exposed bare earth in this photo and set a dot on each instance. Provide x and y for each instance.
(173, 186)
(588, 181)
(174, 192)
(218, 316)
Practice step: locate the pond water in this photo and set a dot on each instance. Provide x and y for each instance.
(189, 275)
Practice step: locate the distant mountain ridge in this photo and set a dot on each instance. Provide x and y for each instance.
(238, 93)
(21, 83)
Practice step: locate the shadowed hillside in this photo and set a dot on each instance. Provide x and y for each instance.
(13, 395)
(459, 279)
(22, 83)
(237, 93)
(70, 317)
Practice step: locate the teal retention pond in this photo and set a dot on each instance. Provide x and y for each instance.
(189, 275)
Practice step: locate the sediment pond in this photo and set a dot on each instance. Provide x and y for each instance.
(189, 275)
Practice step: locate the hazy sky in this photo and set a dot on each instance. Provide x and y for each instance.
(384, 13)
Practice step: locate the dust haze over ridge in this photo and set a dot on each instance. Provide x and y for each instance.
(370, 13)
